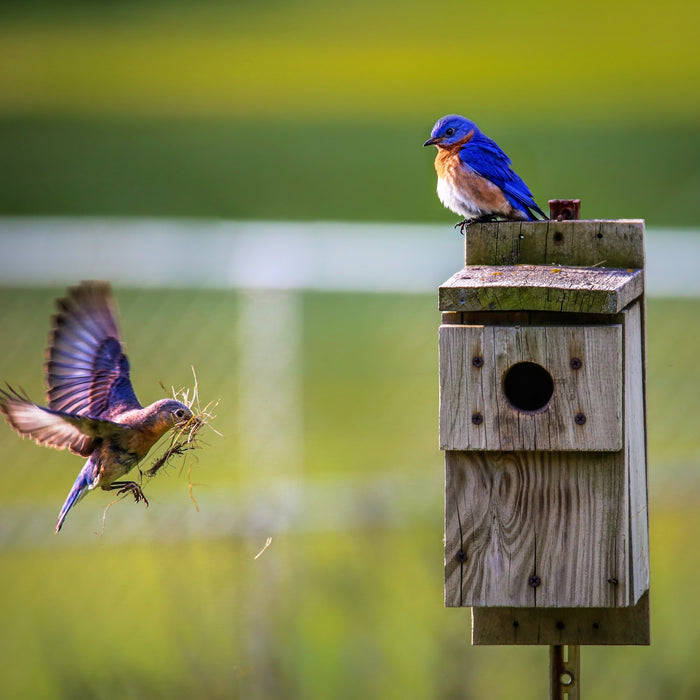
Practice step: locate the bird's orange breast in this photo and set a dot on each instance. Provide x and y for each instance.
(447, 157)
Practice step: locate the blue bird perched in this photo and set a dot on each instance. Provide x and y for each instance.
(92, 408)
(475, 178)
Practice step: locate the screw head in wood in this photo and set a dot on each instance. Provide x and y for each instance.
(478, 361)
(477, 418)
(580, 418)
(461, 556)
(576, 363)
(613, 581)
(534, 581)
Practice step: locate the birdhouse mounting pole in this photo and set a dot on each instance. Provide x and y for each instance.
(564, 659)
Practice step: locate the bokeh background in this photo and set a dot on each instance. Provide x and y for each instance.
(313, 111)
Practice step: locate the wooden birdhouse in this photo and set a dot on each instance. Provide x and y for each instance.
(542, 419)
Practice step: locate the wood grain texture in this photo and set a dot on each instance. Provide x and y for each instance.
(541, 288)
(594, 390)
(635, 448)
(536, 529)
(563, 625)
(581, 243)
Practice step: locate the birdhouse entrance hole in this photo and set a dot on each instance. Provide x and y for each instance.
(528, 386)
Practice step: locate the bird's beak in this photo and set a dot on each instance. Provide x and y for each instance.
(432, 141)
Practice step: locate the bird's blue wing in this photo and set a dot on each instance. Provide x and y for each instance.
(486, 157)
(54, 428)
(87, 370)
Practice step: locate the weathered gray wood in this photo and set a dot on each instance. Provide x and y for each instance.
(536, 529)
(635, 448)
(582, 243)
(593, 390)
(563, 625)
(546, 528)
(541, 287)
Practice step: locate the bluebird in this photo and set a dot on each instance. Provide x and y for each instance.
(92, 408)
(475, 179)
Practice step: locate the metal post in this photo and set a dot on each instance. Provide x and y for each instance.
(564, 672)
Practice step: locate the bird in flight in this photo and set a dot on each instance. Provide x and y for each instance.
(92, 409)
(475, 178)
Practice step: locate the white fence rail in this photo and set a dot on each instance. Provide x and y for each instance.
(274, 255)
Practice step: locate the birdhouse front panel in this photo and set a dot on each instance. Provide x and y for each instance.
(531, 387)
(536, 515)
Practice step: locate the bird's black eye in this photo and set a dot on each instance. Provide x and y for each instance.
(179, 413)
(449, 132)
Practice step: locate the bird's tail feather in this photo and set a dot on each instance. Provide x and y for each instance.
(81, 486)
(534, 207)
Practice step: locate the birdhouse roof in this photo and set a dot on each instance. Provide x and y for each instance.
(541, 288)
(584, 266)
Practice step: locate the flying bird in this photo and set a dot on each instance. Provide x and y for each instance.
(475, 178)
(92, 408)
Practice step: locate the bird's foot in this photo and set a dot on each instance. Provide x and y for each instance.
(466, 223)
(122, 487)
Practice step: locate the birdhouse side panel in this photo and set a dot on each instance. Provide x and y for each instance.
(635, 446)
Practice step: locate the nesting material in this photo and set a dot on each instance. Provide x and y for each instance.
(186, 438)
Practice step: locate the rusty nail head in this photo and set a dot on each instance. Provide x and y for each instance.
(576, 363)
(564, 209)
(477, 418)
(461, 556)
(580, 418)
(534, 581)
(478, 361)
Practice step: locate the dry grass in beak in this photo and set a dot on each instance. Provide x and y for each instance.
(184, 438)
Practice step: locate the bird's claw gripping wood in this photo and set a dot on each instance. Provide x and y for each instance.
(466, 223)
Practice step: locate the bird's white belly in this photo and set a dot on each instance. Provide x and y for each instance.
(455, 200)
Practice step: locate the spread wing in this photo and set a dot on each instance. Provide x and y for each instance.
(87, 371)
(486, 157)
(54, 428)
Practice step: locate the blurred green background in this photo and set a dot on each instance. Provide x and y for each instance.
(303, 111)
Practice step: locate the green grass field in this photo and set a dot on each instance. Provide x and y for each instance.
(314, 110)
(349, 611)
(321, 170)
